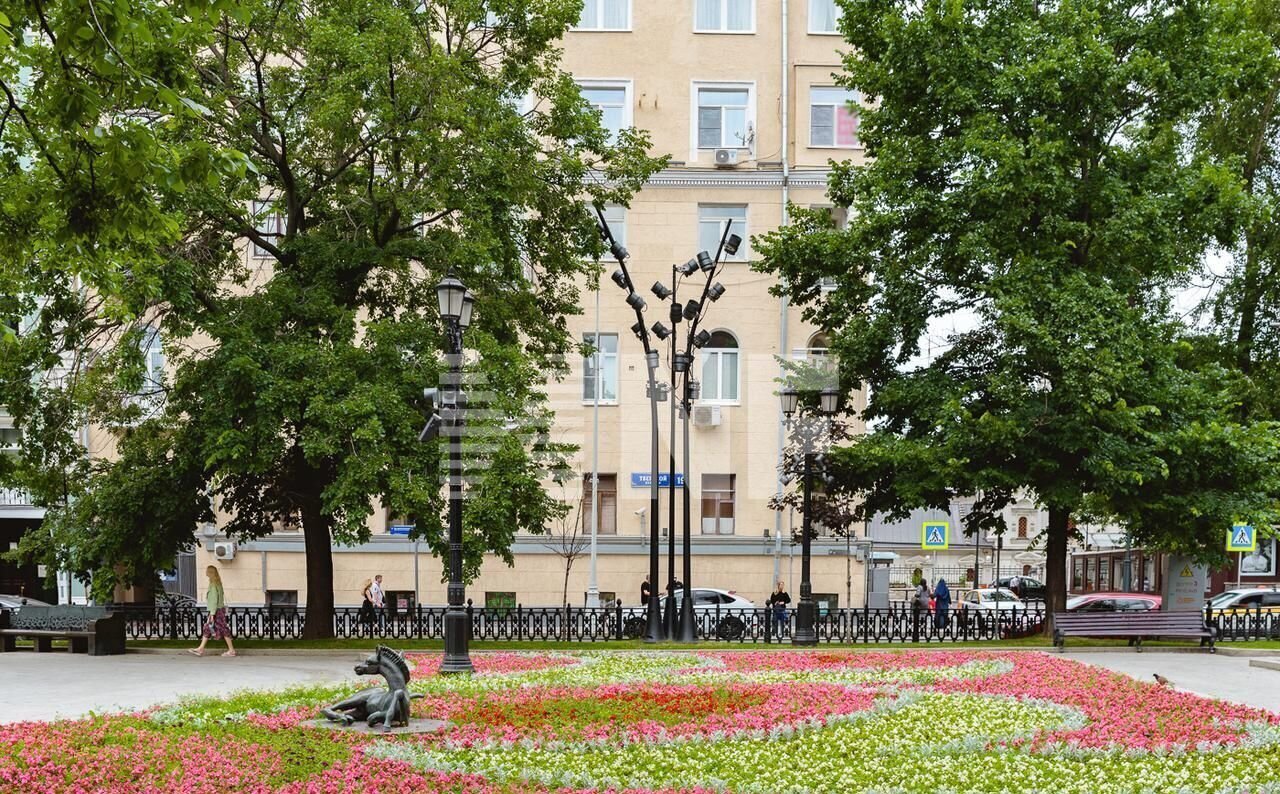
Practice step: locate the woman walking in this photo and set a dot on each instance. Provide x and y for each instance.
(216, 628)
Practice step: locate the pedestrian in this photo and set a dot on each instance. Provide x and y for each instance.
(366, 603)
(920, 603)
(216, 627)
(379, 600)
(942, 598)
(1015, 584)
(646, 592)
(778, 601)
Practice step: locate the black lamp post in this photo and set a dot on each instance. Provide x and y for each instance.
(653, 624)
(686, 389)
(828, 402)
(456, 304)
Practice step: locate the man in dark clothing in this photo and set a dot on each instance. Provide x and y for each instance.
(646, 591)
(778, 602)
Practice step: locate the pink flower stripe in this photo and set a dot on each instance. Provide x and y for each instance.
(491, 663)
(835, 661)
(635, 712)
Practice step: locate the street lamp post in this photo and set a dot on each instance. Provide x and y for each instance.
(685, 388)
(456, 304)
(829, 399)
(653, 624)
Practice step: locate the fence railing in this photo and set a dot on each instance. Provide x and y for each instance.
(898, 623)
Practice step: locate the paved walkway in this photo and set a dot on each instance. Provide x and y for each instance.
(50, 685)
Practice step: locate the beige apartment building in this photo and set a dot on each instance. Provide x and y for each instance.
(740, 94)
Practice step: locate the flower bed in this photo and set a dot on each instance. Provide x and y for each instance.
(823, 721)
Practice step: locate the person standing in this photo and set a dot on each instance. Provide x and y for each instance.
(778, 602)
(216, 627)
(646, 592)
(366, 604)
(378, 598)
(920, 602)
(942, 599)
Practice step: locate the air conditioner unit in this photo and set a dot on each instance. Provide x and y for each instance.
(224, 551)
(706, 416)
(726, 157)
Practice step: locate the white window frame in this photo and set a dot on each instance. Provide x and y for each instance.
(724, 16)
(743, 231)
(601, 355)
(719, 353)
(695, 89)
(834, 120)
(599, 4)
(819, 32)
(628, 100)
(718, 523)
(263, 220)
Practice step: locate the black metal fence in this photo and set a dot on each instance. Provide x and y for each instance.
(579, 624)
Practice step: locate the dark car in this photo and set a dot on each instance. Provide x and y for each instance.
(1028, 589)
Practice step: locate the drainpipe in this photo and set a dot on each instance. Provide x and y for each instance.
(783, 302)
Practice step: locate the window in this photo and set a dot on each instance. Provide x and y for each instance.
(268, 223)
(608, 504)
(724, 114)
(282, 602)
(724, 16)
(720, 369)
(1022, 527)
(833, 122)
(10, 440)
(153, 353)
(613, 100)
(711, 223)
(823, 16)
(600, 369)
(605, 15)
(616, 217)
(717, 504)
(501, 601)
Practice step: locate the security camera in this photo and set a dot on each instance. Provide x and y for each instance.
(641, 511)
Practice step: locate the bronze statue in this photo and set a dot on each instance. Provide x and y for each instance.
(389, 706)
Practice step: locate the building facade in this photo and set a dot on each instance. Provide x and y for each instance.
(740, 94)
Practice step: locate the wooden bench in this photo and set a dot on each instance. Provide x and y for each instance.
(1135, 626)
(92, 630)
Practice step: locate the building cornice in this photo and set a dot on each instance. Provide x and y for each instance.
(735, 178)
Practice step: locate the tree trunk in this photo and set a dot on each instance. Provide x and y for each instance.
(1055, 572)
(319, 548)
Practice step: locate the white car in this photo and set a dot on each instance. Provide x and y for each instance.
(728, 604)
(17, 602)
(991, 599)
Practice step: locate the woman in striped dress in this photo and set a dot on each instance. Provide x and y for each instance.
(216, 628)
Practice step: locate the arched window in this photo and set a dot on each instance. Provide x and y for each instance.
(720, 369)
(1022, 527)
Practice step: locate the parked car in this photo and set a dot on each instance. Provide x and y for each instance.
(16, 602)
(1246, 612)
(1028, 589)
(991, 599)
(1114, 602)
(705, 599)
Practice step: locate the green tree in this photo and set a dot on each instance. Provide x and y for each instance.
(1003, 288)
(385, 143)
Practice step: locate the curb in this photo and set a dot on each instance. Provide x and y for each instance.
(1265, 665)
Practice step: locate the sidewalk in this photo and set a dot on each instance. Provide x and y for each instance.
(49, 685)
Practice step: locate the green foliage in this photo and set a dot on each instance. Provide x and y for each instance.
(383, 146)
(1027, 207)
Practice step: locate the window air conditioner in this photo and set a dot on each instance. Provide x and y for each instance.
(726, 157)
(706, 416)
(224, 551)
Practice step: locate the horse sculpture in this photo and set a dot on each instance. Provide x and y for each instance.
(389, 706)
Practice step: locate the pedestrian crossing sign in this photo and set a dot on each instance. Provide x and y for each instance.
(1242, 537)
(934, 535)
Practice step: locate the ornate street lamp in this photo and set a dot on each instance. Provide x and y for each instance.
(456, 306)
(828, 404)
